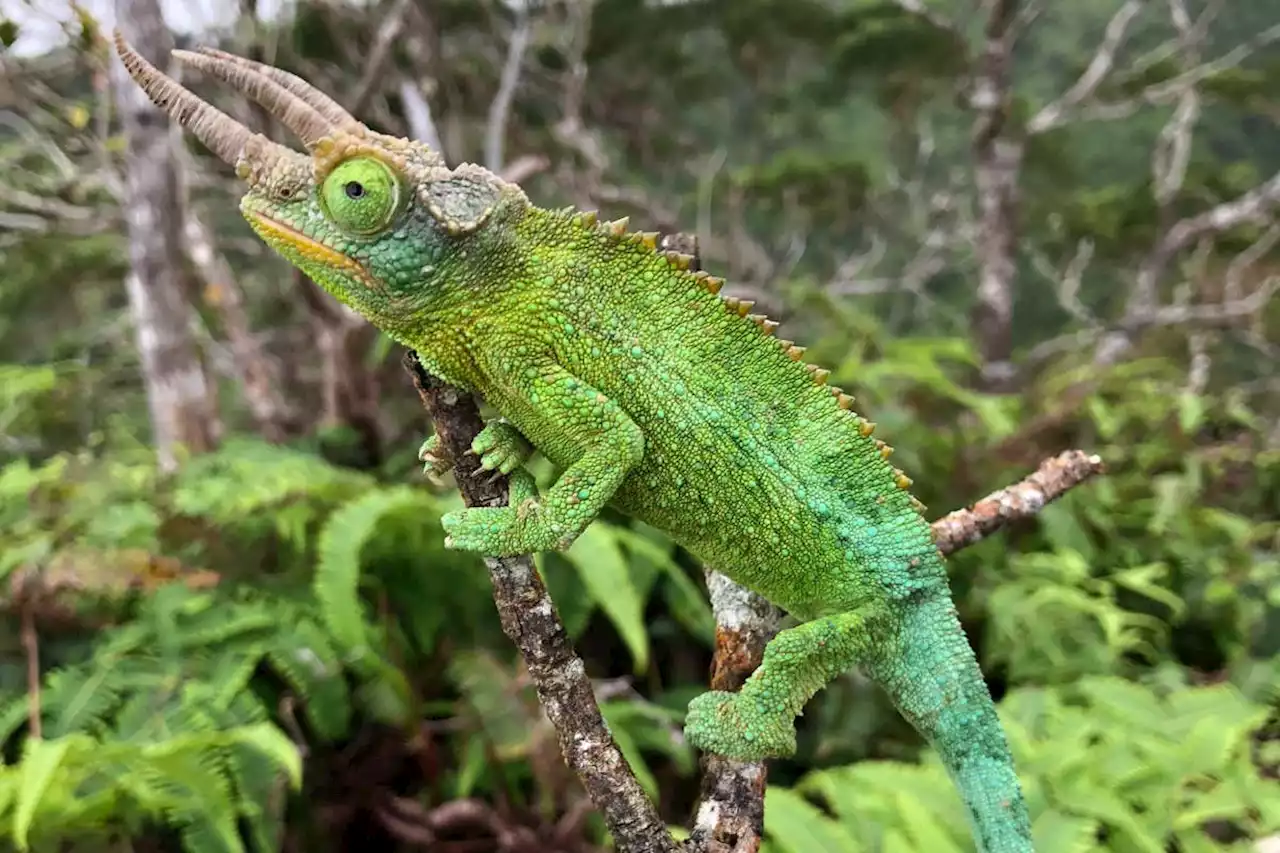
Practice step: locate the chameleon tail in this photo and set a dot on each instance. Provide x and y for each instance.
(932, 676)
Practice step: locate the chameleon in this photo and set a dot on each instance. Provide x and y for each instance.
(652, 393)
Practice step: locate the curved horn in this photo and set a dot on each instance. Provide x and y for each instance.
(296, 114)
(323, 104)
(222, 134)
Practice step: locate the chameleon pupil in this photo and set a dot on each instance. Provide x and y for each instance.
(354, 189)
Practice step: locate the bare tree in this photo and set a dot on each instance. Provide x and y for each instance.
(996, 235)
(257, 373)
(1144, 308)
(183, 406)
(997, 152)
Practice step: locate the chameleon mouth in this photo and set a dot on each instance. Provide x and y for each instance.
(305, 249)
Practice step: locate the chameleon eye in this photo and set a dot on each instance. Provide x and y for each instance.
(361, 195)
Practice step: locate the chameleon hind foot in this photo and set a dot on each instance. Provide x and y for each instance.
(759, 721)
(739, 726)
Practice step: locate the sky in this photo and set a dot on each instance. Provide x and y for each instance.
(39, 20)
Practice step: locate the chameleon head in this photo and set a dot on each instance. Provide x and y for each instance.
(341, 212)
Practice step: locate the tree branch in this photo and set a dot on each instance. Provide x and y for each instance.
(1051, 480)
(1058, 113)
(1252, 206)
(1170, 90)
(495, 133)
(529, 618)
(258, 375)
(997, 154)
(388, 30)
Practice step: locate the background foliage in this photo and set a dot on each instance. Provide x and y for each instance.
(268, 647)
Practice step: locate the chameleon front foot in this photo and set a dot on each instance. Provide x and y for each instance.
(519, 528)
(499, 445)
(498, 531)
(433, 464)
(739, 727)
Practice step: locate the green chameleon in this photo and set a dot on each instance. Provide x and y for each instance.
(651, 392)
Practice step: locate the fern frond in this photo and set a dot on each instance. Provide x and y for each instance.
(258, 779)
(80, 699)
(306, 659)
(337, 579)
(245, 477)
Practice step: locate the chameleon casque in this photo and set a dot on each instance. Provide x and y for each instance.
(652, 394)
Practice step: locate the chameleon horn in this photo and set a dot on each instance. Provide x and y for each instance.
(323, 104)
(222, 134)
(296, 114)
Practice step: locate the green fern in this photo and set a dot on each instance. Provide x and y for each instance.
(166, 722)
(304, 656)
(337, 590)
(79, 786)
(1106, 765)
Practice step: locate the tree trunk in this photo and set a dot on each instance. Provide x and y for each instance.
(997, 165)
(258, 374)
(350, 389)
(182, 400)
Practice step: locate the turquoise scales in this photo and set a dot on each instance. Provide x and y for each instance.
(651, 392)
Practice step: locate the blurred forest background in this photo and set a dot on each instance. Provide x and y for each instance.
(1010, 227)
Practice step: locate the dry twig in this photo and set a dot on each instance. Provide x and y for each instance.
(1024, 499)
(31, 645)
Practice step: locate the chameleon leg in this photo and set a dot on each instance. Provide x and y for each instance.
(593, 428)
(917, 651)
(759, 720)
(930, 672)
(499, 445)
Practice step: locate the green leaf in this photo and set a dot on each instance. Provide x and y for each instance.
(604, 572)
(1191, 408)
(797, 826)
(474, 763)
(1056, 832)
(1152, 580)
(1064, 531)
(337, 579)
(922, 827)
(689, 606)
(271, 742)
(686, 597)
(40, 761)
(8, 32)
(565, 585)
(634, 757)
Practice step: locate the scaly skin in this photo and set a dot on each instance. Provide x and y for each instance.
(655, 396)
